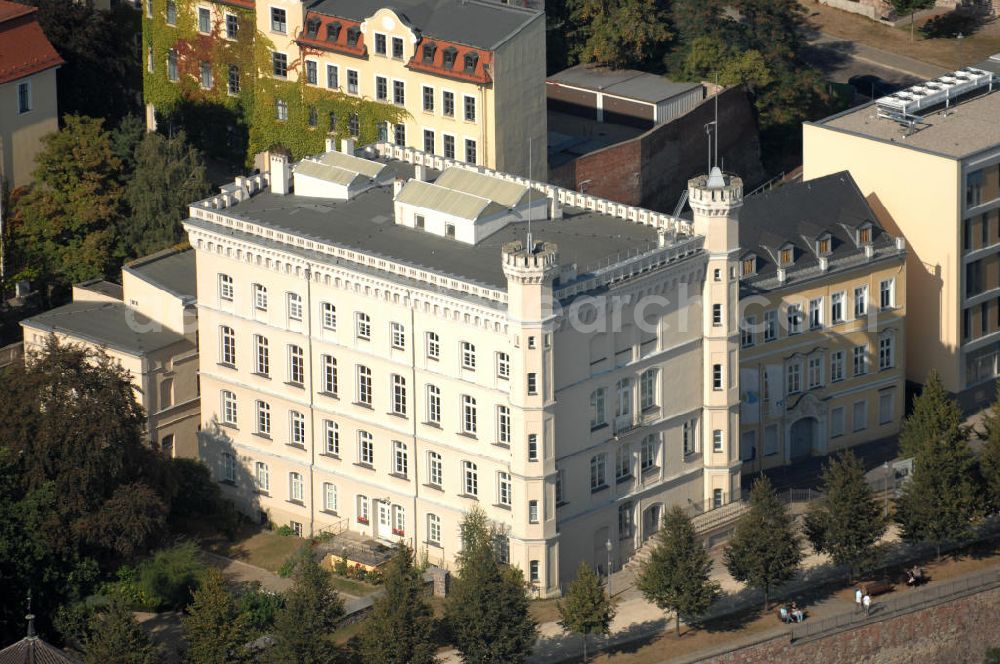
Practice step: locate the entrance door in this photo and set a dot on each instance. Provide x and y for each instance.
(651, 518)
(384, 521)
(803, 437)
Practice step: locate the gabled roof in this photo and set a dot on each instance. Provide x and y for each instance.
(328, 173)
(348, 162)
(24, 49)
(449, 201)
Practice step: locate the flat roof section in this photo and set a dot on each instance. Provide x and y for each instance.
(966, 128)
(627, 83)
(365, 223)
(171, 269)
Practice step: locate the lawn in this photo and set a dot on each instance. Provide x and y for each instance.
(261, 548)
(978, 43)
(352, 587)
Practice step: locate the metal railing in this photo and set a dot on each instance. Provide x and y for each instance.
(912, 599)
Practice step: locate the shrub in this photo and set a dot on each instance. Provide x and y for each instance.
(291, 562)
(260, 607)
(284, 531)
(168, 578)
(340, 566)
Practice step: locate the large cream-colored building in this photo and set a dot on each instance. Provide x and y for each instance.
(823, 311)
(387, 342)
(147, 324)
(28, 110)
(928, 160)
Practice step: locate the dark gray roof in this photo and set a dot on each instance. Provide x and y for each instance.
(110, 324)
(171, 269)
(103, 287)
(470, 22)
(991, 64)
(627, 83)
(799, 213)
(32, 650)
(366, 223)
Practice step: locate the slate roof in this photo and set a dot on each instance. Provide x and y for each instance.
(32, 650)
(799, 214)
(471, 22)
(24, 49)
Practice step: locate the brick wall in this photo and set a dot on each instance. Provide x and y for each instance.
(952, 632)
(652, 170)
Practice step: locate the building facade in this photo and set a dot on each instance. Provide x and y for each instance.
(147, 326)
(463, 79)
(389, 341)
(932, 175)
(28, 109)
(823, 314)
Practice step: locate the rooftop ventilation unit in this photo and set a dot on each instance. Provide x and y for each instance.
(904, 105)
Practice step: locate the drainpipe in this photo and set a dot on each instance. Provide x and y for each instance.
(312, 411)
(413, 419)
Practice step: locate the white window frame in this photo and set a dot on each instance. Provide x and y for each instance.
(503, 366)
(504, 489)
(433, 404)
(296, 365)
(329, 316)
(363, 380)
(837, 303)
(598, 408)
(469, 415)
(433, 345)
(366, 448)
(262, 356)
(435, 469)
(227, 346)
(861, 301)
(397, 336)
(296, 428)
(331, 437)
(770, 325)
(503, 425)
(838, 366)
(263, 418)
(598, 472)
(295, 487)
(718, 441)
(229, 407)
(362, 326)
(294, 304)
(434, 529)
(793, 377)
(400, 459)
(887, 294)
(260, 297)
(227, 290)
(816, 313)
(398, 394)
(470, 478)
(330, 497)
(859, 357)
(330, 377)
(814, 371)
(468, 356)
(262, 477)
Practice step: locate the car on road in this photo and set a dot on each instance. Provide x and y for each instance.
(872, 86)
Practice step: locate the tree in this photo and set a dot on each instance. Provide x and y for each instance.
(65, 227)
(773, 26)
(404, 613)
(935, 416)
(764, 551)
(911, 7)
(677, 575)
(214, 628)
(846, 522)
(618, 33)
(989, 457)
(116, 638)
(312, 609)
(585, 609)
(941, 501)
(487, 608)
(169, 175)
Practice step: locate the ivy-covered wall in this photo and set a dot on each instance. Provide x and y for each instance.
(240, 125)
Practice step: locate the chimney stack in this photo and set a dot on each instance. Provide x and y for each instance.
(347, 146)
(397, 186)
(331, 144)
(420, 172)
(280, 174)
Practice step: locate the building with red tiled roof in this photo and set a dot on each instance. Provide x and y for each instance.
(28, 108)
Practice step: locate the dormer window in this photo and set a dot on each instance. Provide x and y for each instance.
(312, 28)
(786, 256)
(749, 266)
(332, 31)
(429, 49)
(865, 234)
(824, 245)
(353, 34)
(449, 57)
(471, 59)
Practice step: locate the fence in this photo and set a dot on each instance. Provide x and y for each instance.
(11, 354)
(913, 599)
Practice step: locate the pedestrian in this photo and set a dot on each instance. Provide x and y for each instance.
(857, 598)
(867, 602)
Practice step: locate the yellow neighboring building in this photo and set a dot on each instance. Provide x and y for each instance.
(390, 343)
(28, 109)
(928, 161)
(148, 326)
(823, 314)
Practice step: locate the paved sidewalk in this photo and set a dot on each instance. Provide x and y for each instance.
(241, 572)
(876, 56)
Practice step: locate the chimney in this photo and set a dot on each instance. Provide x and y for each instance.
(555, 208)
(824, 263)
(347, 146)
(661, 237)
(869, 251)
(420, 172)
(331, 144)
(397, 186)
(900, 243)
(781, 275)
(280, 174)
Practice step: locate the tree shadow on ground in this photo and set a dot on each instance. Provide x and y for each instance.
(553, 649)
(952, 24)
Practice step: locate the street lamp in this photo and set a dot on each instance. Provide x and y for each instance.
(607, 545)
(885, 467)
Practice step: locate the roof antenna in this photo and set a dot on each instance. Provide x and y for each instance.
(30, 618)
(717, 91)
(528, 244)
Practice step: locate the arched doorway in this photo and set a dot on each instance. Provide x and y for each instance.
(652, 516)
(802, 437)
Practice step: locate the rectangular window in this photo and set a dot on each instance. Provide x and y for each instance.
(433, 346)
(815, 372)
(329, 497)
(625, 526)
(836, 366)
(860, 360)
(470, 108)
(366, 448)
(362, 508)
(232, 26)
(263, 477)
(468, 356)
(233, 80)
(859, 419)
(227, 346)
(262, 359)
(399, 134)
(296, 366)
(532, 383)
(532, 447)
(380, 44)
(648, 452)
(397, 48)
(228, 467)
(295, 487)
(171, 12)
(816, 313)
(793, 374)
(887, 294)
(205, 75)
(448, 104)
(434, 529)
(329, 316)
(363, 326)
(468, 414)
(364, 385)
(400, 459)
(279, 65)
(718, 498)
(398, 395)
(297, 424)
(794, 314)
(429, 141)
(470, 151)
(533, 518)
(836, 422)
(228, 407)
(837, 307)
(278, 20)
(204, 20)
(746, 331)
(860, 301)
(598, 479)
(623, 462)
(398, 336)
(886, 407)
(332, 77)
(331, 435)
(503, 489)
(381, 88)
(503, 425)
(352, 88)
(328, 364)
(312, 72)
(717, 440)
(226, 289)
(471, 478)
(597, 408)
(428, 97)
(434, 469)
(263, 418)
(433, 404)
(294, 307)
(647, 389)
(449, 146)
(281, 109)
(716, 376)
(886, 352)
(688, 437)
(560, 483)
(398, 93)
(770, 325)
